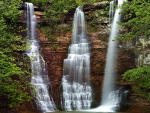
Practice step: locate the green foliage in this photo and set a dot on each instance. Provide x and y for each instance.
(13, 85)
(140, 79)
(136, 23)
(48, 32)
(96, 17)
(136, 19)
(8, 10)
(38, 2)
(55, 46)
(56, 12)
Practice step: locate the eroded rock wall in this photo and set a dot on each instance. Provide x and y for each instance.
(98, 28)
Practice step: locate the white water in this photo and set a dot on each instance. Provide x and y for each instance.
(77, 92)
(39, 77)
(110, 97)
(111, 11)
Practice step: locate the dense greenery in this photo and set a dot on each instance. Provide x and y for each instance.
(13, 79)
(136, 22)
(58, 12)
(140, 79)
(136, 19)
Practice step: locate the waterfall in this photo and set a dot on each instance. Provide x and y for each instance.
(76, 89)
(109, 98)
(39, 79)
(111, 11)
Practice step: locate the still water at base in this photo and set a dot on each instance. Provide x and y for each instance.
(83, 112)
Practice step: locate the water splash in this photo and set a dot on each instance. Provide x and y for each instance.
(77, 92)
(39, 77)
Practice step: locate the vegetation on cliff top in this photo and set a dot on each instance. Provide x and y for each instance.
(58, 12)
(14, 78)
(136, 21)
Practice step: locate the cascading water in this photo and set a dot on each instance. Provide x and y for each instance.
(111, 97)
(77, 92)
(39, 77)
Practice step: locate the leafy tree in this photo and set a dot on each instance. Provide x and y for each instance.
(13, 79)
(136, 22)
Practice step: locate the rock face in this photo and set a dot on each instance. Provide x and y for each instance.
(143, 52)
(98, 29)
(55, 56)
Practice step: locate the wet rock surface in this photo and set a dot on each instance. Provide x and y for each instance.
(55, 52)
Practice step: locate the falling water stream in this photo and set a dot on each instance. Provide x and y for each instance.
(111, 11)
(111, 97)
(39, 77)
(76, 88)
(77, 92)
